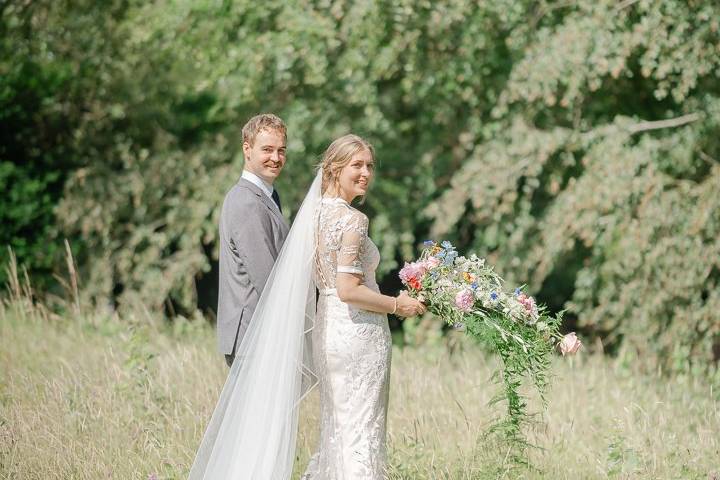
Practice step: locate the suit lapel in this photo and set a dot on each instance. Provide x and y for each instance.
(263, 198)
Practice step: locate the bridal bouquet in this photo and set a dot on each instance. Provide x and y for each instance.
(467, 293)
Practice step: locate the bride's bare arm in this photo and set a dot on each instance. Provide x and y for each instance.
(351, 290)
(349, 277)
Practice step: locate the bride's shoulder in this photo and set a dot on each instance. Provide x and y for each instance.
(351, 217)
(358, 220)
(341, 212)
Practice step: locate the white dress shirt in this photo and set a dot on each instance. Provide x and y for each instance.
(258, 182)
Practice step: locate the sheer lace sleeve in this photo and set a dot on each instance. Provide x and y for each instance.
(354, 233)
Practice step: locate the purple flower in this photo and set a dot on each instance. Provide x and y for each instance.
(428, 243)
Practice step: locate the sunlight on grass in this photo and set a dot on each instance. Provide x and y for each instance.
(110, 398)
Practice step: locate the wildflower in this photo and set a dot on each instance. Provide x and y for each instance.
(449, 257)
(464, 300)
(446, 244)
(432, 262)
(517, 291)
(570, 344)
(474, 286)
(493, 296)
(428, 243)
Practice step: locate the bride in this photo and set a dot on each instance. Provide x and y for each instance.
(289, 348)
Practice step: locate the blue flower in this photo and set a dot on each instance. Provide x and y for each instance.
(428, 243)
(441, 254)
(446, 244)
(493, 296)
(517, 292)
(434, 274)
(474, 285)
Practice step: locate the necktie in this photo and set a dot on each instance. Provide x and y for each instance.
(276, 199)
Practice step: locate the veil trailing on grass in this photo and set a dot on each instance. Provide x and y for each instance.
(252, 431)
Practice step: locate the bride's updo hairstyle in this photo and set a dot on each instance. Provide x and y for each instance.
(338, 155)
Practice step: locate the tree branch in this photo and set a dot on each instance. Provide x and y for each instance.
(625, 4)
(670, 123)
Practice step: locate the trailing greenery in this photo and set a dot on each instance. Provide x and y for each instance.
(468, 294)
(574, 145)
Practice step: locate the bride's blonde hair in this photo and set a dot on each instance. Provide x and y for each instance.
(338, 155)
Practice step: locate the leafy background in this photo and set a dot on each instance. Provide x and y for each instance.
(575, 144)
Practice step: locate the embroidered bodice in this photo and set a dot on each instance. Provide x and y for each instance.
(343, 244)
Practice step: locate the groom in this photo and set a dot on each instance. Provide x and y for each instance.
(252, 230)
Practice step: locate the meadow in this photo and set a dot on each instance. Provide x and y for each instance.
(102, 396)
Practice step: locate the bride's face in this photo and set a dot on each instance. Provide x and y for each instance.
(355, 177)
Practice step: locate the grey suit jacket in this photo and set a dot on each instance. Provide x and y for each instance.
(252, 231)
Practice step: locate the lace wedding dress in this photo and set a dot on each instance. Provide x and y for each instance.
(351, 353)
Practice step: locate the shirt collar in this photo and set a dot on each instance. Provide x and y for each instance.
(258, 182)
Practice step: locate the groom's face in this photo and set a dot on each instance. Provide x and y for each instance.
(266, 156)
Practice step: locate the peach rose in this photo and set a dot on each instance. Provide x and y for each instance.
(570, 344)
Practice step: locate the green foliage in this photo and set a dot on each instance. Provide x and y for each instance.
(34, 157)
(602, 185)
(573, 144)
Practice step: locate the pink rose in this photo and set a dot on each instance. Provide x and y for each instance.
(412, 271)
(570, 344)
(432, 262)
(464, 300)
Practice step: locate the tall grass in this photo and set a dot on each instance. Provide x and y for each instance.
(92, 395)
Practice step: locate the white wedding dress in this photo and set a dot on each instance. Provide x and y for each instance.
(351, 353)
(252, 432)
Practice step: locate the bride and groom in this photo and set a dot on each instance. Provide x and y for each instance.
(281, 338)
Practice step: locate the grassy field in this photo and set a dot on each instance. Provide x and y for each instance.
(92, 397)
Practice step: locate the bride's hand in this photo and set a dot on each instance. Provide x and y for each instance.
(408, 306)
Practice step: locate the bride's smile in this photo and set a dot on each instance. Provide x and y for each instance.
(354, 179)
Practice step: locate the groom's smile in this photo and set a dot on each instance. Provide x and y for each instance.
(266, 156)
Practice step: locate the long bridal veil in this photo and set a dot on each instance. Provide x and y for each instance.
(252, 432)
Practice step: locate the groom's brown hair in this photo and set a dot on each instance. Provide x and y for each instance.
(258, 123)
